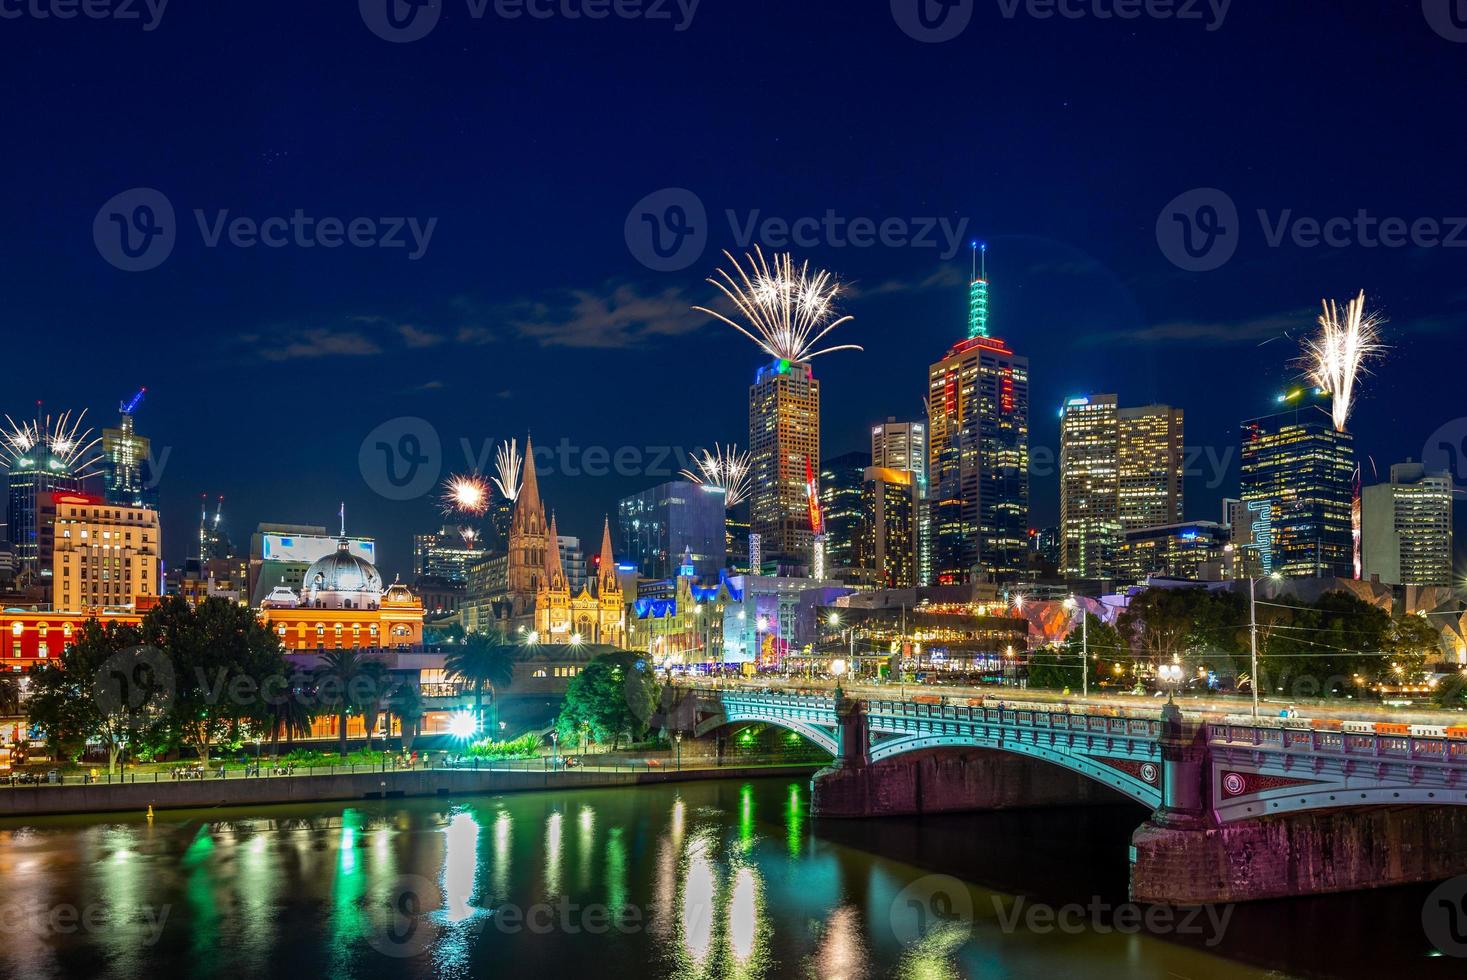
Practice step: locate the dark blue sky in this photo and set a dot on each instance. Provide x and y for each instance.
(1058, 141)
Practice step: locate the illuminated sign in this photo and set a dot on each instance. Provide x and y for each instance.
(307, 548)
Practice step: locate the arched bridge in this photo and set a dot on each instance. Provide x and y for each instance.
(1251, 770)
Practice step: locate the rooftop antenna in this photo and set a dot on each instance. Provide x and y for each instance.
(342, 514)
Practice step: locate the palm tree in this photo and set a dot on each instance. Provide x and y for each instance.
(355, 686)
(291, 716)
(407, 703)
(482, 661)
(9, 695)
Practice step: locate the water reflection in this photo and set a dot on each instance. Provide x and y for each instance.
(585, 845)
(842, 954)
(794, 821)
(460, 866)
(553, 831)
(696, 905)
(499, 874)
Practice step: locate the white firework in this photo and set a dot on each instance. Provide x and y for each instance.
(71, 449)
(1336, 356)
(724, 468)
(785, 310)
(508, 465)
(470, 536)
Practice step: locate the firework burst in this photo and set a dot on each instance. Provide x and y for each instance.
(1336, 357)
(508, 465)
(62, 438)
(466, 494)
(784, 309)
(724, 468)
(470, 536)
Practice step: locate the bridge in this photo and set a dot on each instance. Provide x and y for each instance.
(1240, 809)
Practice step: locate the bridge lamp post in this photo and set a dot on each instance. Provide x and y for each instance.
(838, 668)
(677, 738)
(1171, 675)
(1073, 603)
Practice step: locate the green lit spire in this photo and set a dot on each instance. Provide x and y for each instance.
(978, 294)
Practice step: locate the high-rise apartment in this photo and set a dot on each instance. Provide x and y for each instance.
(1406, 527)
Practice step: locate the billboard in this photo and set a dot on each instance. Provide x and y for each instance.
(306, 548)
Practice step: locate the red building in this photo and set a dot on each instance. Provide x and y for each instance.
(32, 638)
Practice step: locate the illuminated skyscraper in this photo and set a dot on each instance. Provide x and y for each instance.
(887, 545)
(841, 481)
(1407, 527)
(784, 447)
(47, 455)
(1297, 479)
(1090, 527)
(1149, 455)
(127, 461)
(977, 503)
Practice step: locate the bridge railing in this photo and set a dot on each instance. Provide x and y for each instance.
(1329, 742)
(1022, 717)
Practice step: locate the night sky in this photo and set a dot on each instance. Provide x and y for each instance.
(1057, 141)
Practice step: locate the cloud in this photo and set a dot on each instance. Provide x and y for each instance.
(318, 342)
(621, 318)
(1254, 330)
(946, 276)
(414, 337)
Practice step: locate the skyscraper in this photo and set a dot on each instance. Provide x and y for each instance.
(900, 446)
(659, 524)
(977, 506)
(887, 545)
(127, 461)
(105, 556)
(445, 554)
(1090, 525)
(1120, 470)
(841, 481)
(784, 447)
(1149, 457)
(1297, 480)
(1406, 527)
(47, 455)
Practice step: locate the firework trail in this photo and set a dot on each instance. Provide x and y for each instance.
(62, 438)
(1336, 356)
(724, 468)
(465, 494)
(508, 464)
(785, 310)
(470, 535)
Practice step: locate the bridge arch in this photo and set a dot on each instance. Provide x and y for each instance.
(823, 737)
(1146, 793)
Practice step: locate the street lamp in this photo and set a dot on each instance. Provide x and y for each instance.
(837, 668)
(1171, 675)
(1073, 603)
(554, 750)
(677, 738)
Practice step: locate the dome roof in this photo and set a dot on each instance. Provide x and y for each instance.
(344, 572)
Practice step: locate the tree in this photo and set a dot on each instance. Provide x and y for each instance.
(223, 660)
(1060, 668)
(482, 660)
(9, 695)
(350, 684)
(106, 687)
(614, 696)
(291, 713)
(407, 703)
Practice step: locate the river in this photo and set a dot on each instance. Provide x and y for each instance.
(727, 879)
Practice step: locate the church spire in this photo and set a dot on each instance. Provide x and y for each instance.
(527, 505)
(606, 581)
(554, 570)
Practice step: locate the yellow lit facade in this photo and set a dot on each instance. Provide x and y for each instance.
(106, 556)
